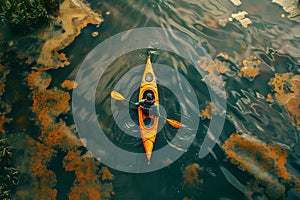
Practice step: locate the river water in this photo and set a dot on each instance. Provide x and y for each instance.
(272, 38)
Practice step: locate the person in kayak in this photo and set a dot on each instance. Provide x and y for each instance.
(149, 105)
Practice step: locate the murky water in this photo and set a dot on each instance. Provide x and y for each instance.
(272, 38)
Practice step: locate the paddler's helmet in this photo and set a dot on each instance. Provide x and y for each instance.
(149, 96)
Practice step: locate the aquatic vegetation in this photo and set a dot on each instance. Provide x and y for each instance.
(53, 145)
(87, 184)
(5, 107)
(52, 6)
(241, 17)
(221, 66)
(48, 104)
(250, 68)
(191, 175)
(41, 156)
(208, 111)
(67, 84)
(267, 163)
(74, 15)
(24, 16)
(236, 2)
(8, 174)
(213, 77)
(292, 7)
(33, 158)
(269, 98)
(287, 92)
(106, 174)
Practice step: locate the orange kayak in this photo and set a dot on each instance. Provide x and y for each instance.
(148, 124)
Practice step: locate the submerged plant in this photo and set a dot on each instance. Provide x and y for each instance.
(8, 174)
(27, 15)
(52, 6)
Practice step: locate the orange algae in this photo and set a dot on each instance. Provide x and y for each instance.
(213, 75)
(74, 15)
(5, 108)
(208, 111)
(87, 184)
(39, 80)
(40, 157)
(191, 175)
(69, 84)
(63, 57)
(259, 159)
(287, 92)
(48, 104)
(242, 149)
(269, 98)
(32, 161)
(4, 120)
(250, 68)
(2, 87)
(106, 174)
(222, 67)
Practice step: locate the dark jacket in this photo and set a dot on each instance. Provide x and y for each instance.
(149, 107)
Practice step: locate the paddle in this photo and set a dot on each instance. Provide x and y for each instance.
(117, 96)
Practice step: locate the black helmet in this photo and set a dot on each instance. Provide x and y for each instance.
(149, 96)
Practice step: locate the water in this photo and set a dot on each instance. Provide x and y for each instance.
(269, 33)
(271, 38)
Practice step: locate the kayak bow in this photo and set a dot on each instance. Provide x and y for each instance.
(148, 124)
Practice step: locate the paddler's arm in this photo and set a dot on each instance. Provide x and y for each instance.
(140, 103)
(156, 111)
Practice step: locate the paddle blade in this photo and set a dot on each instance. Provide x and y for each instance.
(174, 123)
(117, 96)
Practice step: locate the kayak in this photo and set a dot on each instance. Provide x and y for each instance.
(148, 124)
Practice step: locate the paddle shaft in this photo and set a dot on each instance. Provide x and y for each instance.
(118, 96)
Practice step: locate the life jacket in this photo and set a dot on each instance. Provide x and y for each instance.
(148, 104)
